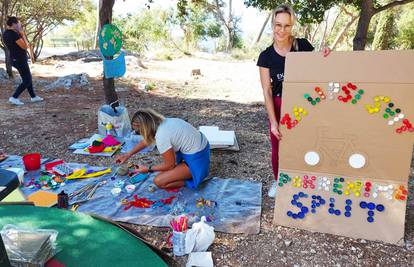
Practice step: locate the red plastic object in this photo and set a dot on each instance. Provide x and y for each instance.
(32, 161)
(49, 166)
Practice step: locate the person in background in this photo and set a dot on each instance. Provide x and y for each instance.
(184, 149)
(16, 41)
(271, 65)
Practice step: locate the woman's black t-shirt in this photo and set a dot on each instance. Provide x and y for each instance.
(16, 52)
(276, 63)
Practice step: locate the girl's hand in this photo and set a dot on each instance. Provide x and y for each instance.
(122, 158)
(326, 51)
(274, 128)
(142, 169)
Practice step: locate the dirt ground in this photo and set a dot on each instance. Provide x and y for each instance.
(228, 95)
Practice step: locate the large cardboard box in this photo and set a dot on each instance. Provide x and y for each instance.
(367, 200)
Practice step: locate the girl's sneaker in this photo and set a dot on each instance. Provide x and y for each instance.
(36, 99)
(272, 190)
(15, 101)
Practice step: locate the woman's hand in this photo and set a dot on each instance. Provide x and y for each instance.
(326, 51)
(122, 158)
(274, 128)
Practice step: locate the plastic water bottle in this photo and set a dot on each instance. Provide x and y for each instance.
(109, 128)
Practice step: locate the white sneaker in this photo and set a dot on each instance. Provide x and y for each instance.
(272, 190)
(36, 99)
(15, 101)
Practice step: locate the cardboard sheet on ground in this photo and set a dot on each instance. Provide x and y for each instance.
(321, 191)
(219, 139)
(238, 201)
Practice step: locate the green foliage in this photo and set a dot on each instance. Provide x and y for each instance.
(197, 22)
(385, 31)
(236, 34)
(144, 30)
(214, 30)
(405, 35)
(306, 11)
(85, 25)
(41, 16)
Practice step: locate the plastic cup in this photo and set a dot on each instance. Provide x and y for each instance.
(178, 240)
(130, 188)
(32, 161)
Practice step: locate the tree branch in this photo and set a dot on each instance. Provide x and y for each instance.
(392, 4)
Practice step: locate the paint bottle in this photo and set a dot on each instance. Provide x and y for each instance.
(63, 200)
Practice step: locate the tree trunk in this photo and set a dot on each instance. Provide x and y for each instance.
(98, 26)
(341, 34)
(367, 11)
(105, 17)
(8, 62)
(230, 41)
(322, 42)
(259, 36)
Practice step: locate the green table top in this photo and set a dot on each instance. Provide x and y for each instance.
(84, 241)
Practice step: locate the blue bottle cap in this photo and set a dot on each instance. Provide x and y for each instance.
(348, 208)
(348, 202)
(371, 213)
(337, 212)
(347, 214)
(363, 204)
(371, 206)
(380, 208)
(331, 210)
(370, 219)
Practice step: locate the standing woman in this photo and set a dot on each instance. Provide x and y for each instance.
(184, 149)
(271, 64)
(16, 41)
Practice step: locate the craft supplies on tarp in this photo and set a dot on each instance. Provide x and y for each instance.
(29, 247)
(43, 198)
(230, 205)
(128, 143)
(98, 145)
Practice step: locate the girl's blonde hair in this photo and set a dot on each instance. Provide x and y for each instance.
(148, 121)
(284, 8)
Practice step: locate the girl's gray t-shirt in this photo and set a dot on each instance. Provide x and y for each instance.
(180, 135)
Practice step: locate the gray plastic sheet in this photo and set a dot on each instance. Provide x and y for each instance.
(237, 207)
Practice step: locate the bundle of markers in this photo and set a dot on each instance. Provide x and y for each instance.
(179, 224)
